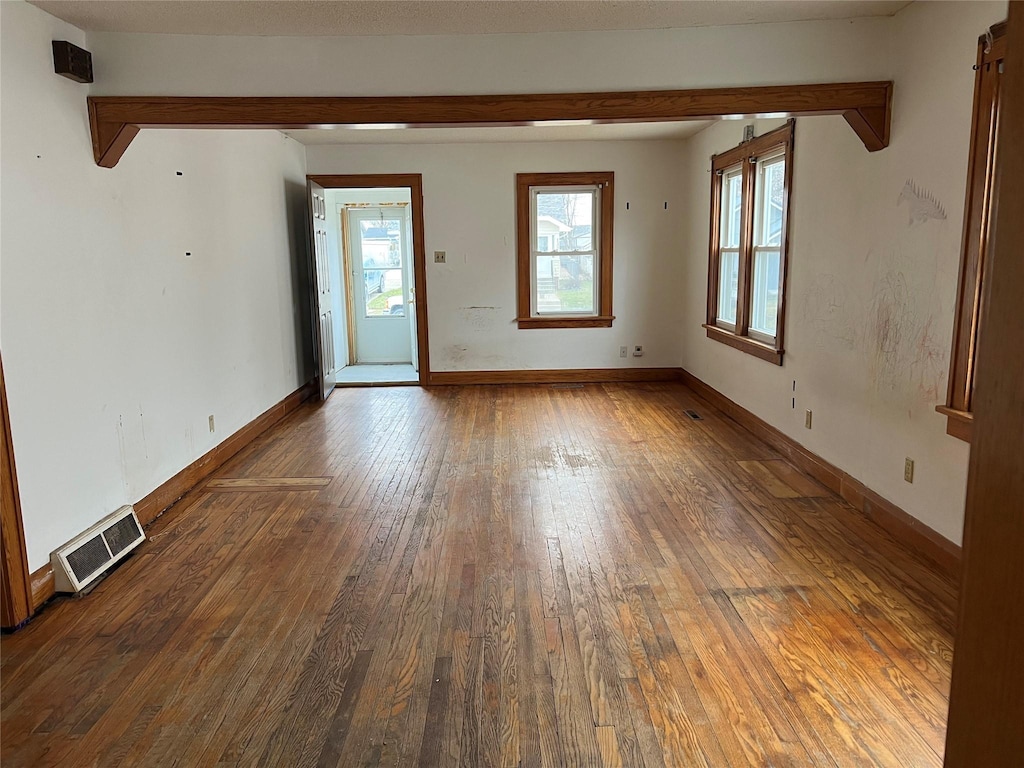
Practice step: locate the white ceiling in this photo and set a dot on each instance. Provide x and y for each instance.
(440, 17)
(474, 135)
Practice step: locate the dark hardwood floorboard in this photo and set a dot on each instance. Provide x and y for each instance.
(518, 577)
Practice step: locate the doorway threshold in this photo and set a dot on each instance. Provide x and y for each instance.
(377, 376)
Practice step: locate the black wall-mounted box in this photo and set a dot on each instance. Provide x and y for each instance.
(72, 62)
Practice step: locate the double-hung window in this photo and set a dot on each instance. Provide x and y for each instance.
(564, 249)
(749, 233)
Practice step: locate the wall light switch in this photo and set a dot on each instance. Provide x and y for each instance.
(439, 257)
(211, 423)
(807, 419)
(908, 470)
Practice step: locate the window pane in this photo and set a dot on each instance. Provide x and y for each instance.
(771, 175)
(764, 293)
(565, 284)
(383, 276)
(732, 208)
(728, 285)
(564, 221)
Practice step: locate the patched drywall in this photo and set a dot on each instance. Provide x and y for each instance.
(469, 212)
(874, 259)
(137, 301)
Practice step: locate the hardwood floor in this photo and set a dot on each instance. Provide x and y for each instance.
(496, 576)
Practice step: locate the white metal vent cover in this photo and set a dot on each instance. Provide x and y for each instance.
(87, 556)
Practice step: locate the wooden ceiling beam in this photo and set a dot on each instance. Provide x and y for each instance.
(115, 120)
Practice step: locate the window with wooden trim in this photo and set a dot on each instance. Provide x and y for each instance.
(564, 249)
(977, 219)
(750, 192)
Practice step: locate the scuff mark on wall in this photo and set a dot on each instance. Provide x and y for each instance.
(123, 452)
(921, 203)
(902, 346)
(142, 426)
(459, 357)
(930, 362)
(826, 310)
(478, 319)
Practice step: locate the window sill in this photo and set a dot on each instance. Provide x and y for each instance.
(598, 321)
(959, 424)
(745, 344)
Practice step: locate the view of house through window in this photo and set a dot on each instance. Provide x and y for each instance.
(380, 247)
(563, 223)
(564, 249)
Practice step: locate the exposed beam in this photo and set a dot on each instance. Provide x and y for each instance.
(116, 119)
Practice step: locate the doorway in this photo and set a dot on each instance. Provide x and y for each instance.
(375, 244)
(377, 259)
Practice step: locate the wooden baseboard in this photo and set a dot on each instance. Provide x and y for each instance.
(554, 376)
(167, 494)
(900, 524)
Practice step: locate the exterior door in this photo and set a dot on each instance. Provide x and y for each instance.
(323, 320)
(381, 278)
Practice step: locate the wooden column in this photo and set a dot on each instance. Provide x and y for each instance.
(986, 707)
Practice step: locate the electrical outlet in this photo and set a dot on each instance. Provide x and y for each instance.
(211, 422)
(623, 351)
(908, 470)
(439, 257)
(807, 419)
(638, 350)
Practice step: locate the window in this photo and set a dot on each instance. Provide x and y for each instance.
(564, 249)
(749, 232)
(977, 217)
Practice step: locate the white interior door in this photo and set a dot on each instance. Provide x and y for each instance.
(381, 278)
(320, 287)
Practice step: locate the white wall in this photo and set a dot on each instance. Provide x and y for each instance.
(871, 294)
(703, 57)
(116, 345)
(469, 212)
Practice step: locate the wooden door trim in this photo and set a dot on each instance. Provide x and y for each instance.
(115, 120)
(986, 703)
(16, 591)
(350, 296)
(414, 183)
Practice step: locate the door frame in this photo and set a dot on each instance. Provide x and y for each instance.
(414, 183)
(15, 582)
(986, 697)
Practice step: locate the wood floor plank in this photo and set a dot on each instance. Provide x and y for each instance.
(769, 480)
(496, 576)
(267, 483)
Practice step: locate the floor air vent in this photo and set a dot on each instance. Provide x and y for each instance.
(87, 556)
(567, 386)
(694, 415)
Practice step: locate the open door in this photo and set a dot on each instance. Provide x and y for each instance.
(381, 269)
(320, 286)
